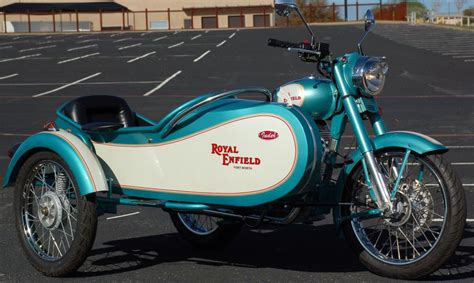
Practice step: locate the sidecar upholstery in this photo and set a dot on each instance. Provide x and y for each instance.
(100, 108)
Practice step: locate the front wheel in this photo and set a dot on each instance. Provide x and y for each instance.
(205, 231)
(56, 225)
(428, 223)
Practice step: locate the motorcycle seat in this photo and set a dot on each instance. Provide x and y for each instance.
(99, 109)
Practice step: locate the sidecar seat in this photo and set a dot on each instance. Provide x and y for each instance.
(100, 108)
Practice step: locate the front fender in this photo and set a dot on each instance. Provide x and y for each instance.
(416, 142)
(82, 162)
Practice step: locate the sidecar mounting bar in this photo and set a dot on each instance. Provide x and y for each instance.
(179, 117)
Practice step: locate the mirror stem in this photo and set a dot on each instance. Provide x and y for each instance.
(313, 38)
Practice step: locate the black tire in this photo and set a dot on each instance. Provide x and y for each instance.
(81, 208)
(448, 237)
(223, 234)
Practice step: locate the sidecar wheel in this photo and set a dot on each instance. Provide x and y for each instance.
(428, 229)
(205, 231)
(56, 225)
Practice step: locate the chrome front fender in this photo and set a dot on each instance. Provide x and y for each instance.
(82, 162)
(416, 142)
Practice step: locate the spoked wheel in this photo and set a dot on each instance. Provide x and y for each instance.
(427, 223)
(203, 230)
(56, 226)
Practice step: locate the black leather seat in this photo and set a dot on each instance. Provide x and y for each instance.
(100, 108)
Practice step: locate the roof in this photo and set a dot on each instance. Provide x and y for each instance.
(64, 7)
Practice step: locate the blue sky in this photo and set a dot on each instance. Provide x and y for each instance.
(446, 6)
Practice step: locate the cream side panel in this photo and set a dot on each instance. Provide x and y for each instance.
(95, 169)
(189, 166)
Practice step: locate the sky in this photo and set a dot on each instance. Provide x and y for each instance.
(447, 6)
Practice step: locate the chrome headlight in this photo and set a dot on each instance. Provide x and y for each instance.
(369, 75)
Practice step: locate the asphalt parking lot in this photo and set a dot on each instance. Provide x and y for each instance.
(429, 90)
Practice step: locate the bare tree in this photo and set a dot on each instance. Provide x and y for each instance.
(460, 4)
(436, 4)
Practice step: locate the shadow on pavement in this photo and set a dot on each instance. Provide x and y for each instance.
(295, 247)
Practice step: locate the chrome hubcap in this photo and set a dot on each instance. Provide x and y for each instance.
(50, 210)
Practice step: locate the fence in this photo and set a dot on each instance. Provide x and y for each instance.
(462, 21)
(192, 18)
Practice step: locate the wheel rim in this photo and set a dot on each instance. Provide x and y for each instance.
(49, 210)
(198, 223)
(421, 205)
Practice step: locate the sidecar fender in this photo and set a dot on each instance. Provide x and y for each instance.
(82, 162)
(416, 142)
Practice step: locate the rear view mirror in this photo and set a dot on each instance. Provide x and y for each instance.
(283, 7)
(369, 20)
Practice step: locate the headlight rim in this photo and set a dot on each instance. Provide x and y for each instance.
(361, 68)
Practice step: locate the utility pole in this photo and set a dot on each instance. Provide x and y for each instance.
(345, 10)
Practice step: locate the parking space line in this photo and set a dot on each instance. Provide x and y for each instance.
(160, 38)
(206, 31)
(469, 60)
(176, 45)
(176, 32)
(163, 83)
(82, 83)
(9, 76)
(82, 47)
(78, 58)
(87, 40)
(122, 39)
(202, 56)
(6, 47)
(462, 163)
(123, 215)
(441, 220)
(222, 43)
(140, 57)
(37, 48)
(195, 37)
(143, 34)
(129, 46)
(20, 58)
(66, 86)
(232, 35)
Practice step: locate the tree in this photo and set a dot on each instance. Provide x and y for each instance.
(417, 7)
(313, 11)
(460, 4)
(469, 12)
(436, 4)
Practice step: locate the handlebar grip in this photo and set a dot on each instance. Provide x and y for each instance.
(282, 44)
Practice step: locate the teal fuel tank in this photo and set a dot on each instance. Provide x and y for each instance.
(316, 96)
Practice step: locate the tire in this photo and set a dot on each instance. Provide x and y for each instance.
(56, 225)
(216, 234)
(431, 236)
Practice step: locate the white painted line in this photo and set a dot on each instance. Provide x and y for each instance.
(66, 86)
(86, 83)
(206, 31)
(197, 36)
(114, 35)
(82, 47)
(140, 57)
(143, 34)
(441, 220)
(462, 163)
(469, 60)
(124, 215)
(37, 48)
(84, 35)
(15, 38)
(232, 35)
(19, 58)
(6, 47)
(163, 83)
(122, 39)
(14, 135)
(87, 40)
(129, 46)
(175, 32)
(176, 45)
(160, 38)
(448, 146)
(463, 56)
(9, 76)
(202, 56)
(78, 58)
(222, 43)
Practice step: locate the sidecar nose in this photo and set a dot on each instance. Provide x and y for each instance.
(12, 150)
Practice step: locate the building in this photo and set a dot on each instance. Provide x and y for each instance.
(139, 15)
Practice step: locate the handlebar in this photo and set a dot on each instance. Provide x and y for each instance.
(282, 44)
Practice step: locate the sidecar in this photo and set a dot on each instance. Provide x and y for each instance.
(214, 150)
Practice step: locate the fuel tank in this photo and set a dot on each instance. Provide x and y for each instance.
(316, 96)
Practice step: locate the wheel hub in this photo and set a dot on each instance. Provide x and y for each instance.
(401, 210)
(50, 210)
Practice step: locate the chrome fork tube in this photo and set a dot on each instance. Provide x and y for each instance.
(380, 188)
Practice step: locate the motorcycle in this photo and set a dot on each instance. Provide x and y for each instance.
(219, 162)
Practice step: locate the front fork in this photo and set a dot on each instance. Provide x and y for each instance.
(370, 164)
